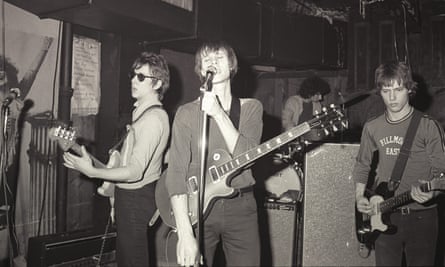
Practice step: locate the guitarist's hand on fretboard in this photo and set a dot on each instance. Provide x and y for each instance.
(419, 196)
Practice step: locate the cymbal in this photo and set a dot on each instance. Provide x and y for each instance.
(355, 96)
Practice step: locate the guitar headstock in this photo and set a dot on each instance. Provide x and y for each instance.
(438, 182)
(329, 119)
(65, 136)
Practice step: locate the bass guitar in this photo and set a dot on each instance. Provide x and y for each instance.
(221, 167)
(384, 202)
(66, 139)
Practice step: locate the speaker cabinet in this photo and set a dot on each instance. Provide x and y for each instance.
(329, 235)
(72, 249)
(278, 234)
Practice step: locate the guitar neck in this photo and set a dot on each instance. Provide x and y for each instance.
(263, 149)
(401, 199)
(76, 148)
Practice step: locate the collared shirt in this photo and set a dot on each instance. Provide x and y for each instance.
(184, 153)
(145, 145)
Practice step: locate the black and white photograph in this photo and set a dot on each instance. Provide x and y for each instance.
(222, 133)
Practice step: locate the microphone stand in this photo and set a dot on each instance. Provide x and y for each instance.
(206, 87)
(4, 150)
(3, 178)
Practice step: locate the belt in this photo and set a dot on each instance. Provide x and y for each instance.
(408, 210)
(239, 192)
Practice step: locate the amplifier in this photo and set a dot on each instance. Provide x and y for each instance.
(329, 234)
(279, 231)
(80, 248)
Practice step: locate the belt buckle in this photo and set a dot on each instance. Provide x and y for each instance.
(238, 193)
(404, 210)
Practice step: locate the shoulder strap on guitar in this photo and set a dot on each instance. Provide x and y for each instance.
(235, 110)
(400, 164)
(115, 147)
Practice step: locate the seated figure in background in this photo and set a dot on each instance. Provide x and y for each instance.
(300, 108)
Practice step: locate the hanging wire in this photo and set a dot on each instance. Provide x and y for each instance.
(396, 46)
(98, 258)
(364, 3)
(407, 60)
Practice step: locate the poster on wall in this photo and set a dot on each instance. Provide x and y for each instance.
(85, 76)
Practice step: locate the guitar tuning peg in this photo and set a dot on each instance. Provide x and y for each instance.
(326, 132)
(72, 134)
(334, 127)
(57, 130)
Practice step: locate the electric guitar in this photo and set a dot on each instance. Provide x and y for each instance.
(66, 139)
(383, 202)
(221, 167)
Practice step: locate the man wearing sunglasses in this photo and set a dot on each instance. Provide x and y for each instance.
(141, 160)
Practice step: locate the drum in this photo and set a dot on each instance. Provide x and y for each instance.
(282, 181)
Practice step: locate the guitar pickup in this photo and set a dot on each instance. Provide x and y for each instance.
(214, 174)
(192, 185)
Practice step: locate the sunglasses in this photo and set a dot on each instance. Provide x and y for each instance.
(141, 77)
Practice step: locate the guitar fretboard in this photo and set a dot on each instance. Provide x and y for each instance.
(400, 200)
(261, 150)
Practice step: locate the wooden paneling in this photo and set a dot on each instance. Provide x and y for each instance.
(387, 41)
(438, 51)
(361, 55)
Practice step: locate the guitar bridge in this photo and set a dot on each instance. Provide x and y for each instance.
(192, 185)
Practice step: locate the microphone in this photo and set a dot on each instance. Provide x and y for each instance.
(206, 86)
(13, 94)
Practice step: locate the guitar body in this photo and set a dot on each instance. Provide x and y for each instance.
(380, 220)
(107, 188)
(216, 187)
(221, 167)
(115, 160)
(383, 203)
(370, 226)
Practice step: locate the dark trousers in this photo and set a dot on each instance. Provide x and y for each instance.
(234, 222)
(416, 236)
(134, 209)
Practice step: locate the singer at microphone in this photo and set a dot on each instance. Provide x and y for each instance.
(14, 93)
(207, 84)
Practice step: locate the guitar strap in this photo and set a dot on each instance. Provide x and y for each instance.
(400, 164)
(235, 110)
(116, 146)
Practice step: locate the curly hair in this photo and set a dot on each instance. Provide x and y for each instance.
(10, 71)
(314, 85)
(158, 66)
